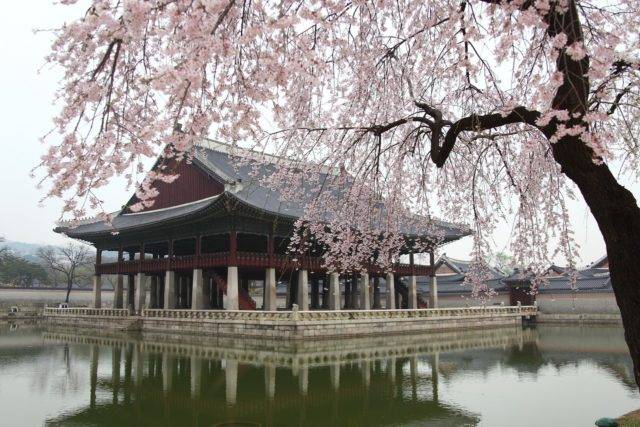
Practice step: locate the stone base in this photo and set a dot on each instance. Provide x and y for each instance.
(296, 325)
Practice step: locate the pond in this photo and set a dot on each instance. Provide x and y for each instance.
(544, 375)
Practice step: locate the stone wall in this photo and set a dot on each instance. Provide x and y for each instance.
(458, 300)
(291, 325)
(577, 303)
(38, 298)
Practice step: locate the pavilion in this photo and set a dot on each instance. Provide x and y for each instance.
(215, 228)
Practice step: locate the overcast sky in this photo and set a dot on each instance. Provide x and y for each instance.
(26, 94)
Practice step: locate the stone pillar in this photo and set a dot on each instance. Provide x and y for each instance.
(196, 376)
(413, 292)
(433, 284)
(131, 305)
(153, 292)
(141, 291)
(118, 292)
(270, 380)
(391, 292)
(97, 291)
(170, 290)
(334, 291)
(167, 372)
(303, 290)
(376, 292)
(197, 290)
(270, 297)
(231, 381)
(433, 292)
(232, 288)
(365, 298)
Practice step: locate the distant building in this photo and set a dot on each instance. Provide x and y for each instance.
(591, 293)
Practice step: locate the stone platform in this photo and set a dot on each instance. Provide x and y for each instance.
(293, 325)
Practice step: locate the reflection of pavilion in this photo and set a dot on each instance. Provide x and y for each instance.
(356, 381)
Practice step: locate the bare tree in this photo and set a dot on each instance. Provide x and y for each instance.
(67, 261)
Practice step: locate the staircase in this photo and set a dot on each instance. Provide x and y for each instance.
(245, 302)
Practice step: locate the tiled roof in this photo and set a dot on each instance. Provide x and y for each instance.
(240, 177)
(127, 221)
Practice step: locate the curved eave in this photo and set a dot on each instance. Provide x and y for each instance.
(192, 211)
(153, 218)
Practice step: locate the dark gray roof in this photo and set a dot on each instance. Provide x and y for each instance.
(246, 175)
(454, 284)
(598, 263)
(122, 222)
(588, 280)
(583, 283)
(462, 266)
(240, 177)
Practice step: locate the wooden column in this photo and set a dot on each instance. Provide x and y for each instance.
(271, 250)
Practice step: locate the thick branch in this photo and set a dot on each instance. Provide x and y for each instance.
(477, 123)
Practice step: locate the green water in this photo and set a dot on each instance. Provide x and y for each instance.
(566, 376)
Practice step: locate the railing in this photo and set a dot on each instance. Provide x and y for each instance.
(243, 259)
(339, 315)
(295, 315)
(84, 311)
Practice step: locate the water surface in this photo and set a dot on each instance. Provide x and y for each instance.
(548, 375)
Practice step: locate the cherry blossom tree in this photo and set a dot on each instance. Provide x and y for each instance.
(481, 111)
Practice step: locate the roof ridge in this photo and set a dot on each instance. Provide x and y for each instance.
(227, 148)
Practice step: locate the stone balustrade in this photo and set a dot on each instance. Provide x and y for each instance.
(84, 311)
(341, 315)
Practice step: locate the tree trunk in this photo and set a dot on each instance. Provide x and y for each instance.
(618, 216)
(69, 285)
